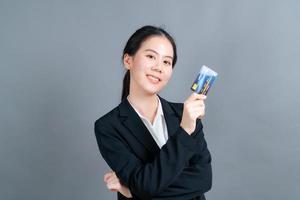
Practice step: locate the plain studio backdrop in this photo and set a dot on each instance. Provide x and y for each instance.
(61, 70)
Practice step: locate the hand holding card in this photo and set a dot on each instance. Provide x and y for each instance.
(204, 80)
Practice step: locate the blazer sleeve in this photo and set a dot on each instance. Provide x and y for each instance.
(144, 180)
(196, 177)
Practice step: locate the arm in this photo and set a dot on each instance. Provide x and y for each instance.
(202, 154)
(196, 177)
(145, 180)
(194, 180)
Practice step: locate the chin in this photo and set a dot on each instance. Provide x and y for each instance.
(153, 91)
(152, 88)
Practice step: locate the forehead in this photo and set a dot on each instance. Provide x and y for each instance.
(160, 44)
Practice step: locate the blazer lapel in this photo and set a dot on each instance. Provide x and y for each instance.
(172, 117)
(136, 126)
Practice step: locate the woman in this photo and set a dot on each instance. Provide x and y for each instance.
(155, 148)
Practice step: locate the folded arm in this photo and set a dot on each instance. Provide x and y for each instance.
(150, 179)
(196, 177)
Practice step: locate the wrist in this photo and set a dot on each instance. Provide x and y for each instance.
(187, 130)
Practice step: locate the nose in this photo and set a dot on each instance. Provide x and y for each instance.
(157, 67)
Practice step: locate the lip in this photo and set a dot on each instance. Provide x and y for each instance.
(154, 76)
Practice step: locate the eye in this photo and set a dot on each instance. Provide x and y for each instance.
(150, 56)
(166, 62)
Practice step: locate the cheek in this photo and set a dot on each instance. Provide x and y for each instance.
(140, 64)
(168, 74)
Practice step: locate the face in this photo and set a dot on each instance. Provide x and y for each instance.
(151, 66)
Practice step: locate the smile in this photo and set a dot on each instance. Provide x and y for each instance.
(153, 79)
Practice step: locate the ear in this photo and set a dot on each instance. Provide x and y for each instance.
(127, 61)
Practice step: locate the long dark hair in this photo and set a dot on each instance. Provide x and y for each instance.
(133, 44)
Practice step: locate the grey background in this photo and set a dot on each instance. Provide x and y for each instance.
(61, 70)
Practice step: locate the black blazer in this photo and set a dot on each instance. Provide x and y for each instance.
(181, 169)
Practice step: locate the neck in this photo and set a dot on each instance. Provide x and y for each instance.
(146, 104)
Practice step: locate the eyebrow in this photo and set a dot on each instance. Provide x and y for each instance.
(158, 53)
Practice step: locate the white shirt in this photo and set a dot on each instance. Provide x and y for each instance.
(158, 129)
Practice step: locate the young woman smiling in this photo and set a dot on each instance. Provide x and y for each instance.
(155, 148)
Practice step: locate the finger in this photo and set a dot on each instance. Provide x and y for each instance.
(114, 180)
(112, 177)
(197, 110)
(192, 96)
(196, 95)
(107, 175)
(198, 113)
(196, 102)
(201, 114)
(114, 185)
(199, 96)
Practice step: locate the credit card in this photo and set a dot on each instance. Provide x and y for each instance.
(204, 80)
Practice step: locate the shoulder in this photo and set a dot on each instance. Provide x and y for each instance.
(106, 127)
(176, 106)
(107, 118)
